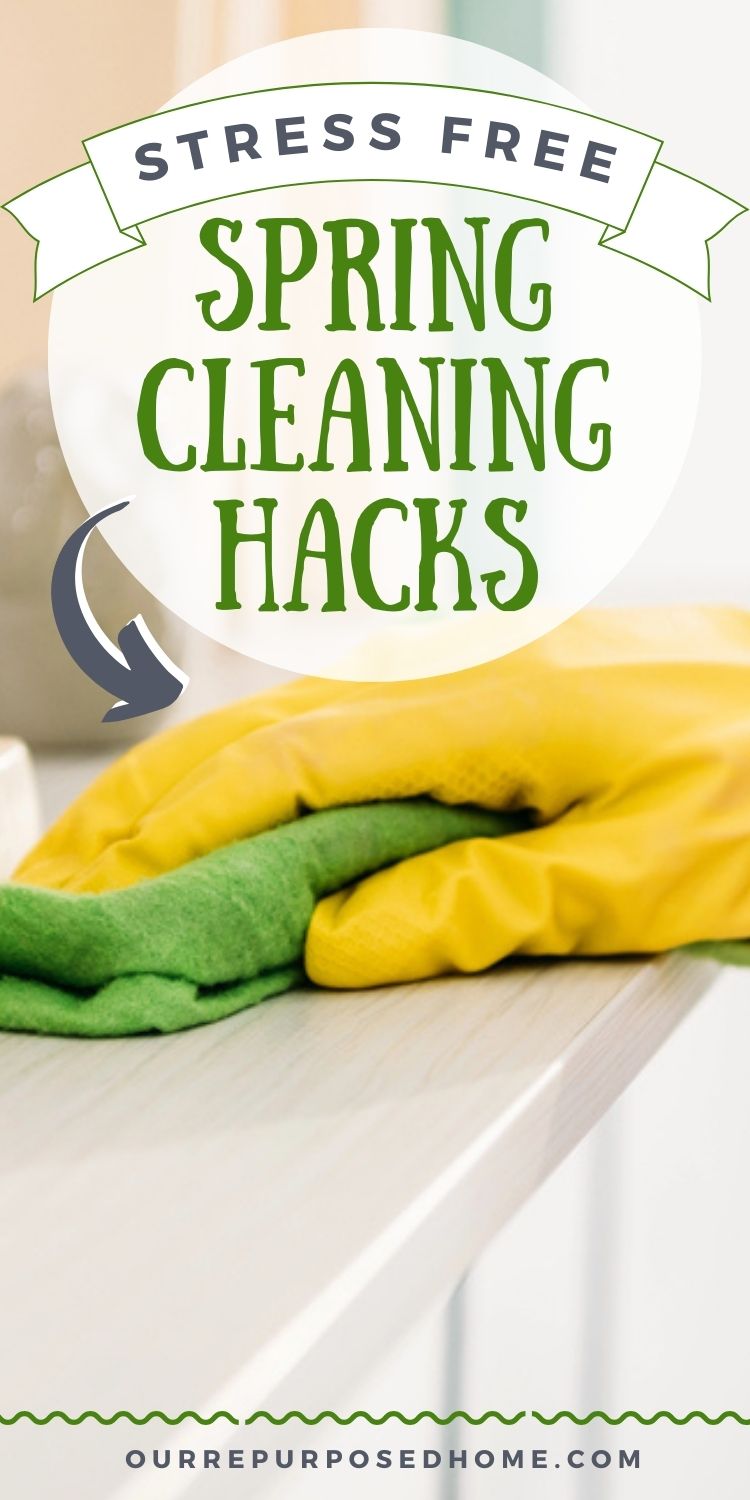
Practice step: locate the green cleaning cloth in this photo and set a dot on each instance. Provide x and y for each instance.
(210, 938)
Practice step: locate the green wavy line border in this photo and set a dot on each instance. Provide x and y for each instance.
(366, 1416)
(262, 1416)
(636, 1416)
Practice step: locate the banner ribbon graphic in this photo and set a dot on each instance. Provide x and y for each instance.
(392, 131)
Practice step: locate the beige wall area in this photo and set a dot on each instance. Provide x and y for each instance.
(70, 68)
(67, 70)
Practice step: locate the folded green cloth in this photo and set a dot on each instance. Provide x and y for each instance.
(733, 951)
(210, 938)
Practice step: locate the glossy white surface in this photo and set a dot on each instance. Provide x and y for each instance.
(249, 1213)
(20, 814)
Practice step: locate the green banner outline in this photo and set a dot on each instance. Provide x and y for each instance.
(610, 233)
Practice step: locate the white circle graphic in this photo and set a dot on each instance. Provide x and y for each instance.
(449, 493)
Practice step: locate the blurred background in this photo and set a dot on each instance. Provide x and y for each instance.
(623, 1284)
(102, 63)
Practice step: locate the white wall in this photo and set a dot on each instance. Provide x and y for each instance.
(680, 72)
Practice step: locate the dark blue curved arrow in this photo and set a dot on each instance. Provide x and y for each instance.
(140, 675)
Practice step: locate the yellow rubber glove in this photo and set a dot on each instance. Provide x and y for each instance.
(627, 733)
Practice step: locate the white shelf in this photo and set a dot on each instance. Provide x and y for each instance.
(246, 1215)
